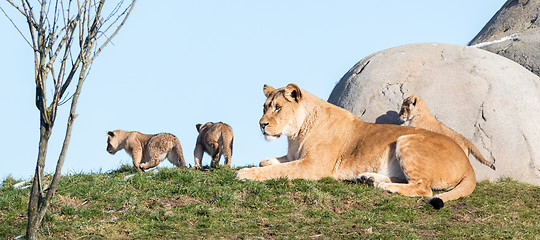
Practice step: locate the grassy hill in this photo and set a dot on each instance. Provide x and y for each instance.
(211, 204)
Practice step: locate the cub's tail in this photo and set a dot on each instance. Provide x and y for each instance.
(177, 150)
(226, 147)
(476, 153)
(464, 188)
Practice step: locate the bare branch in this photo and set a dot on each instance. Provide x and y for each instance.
(67, 38)
(31, 24)
(28, 9)
(42, 16)
(17, 28)
(114, 11)
(65, 100)
(47, 17)
(116, 31)
(116, 20)
(17, 7)
(74, 68)
(67, 53)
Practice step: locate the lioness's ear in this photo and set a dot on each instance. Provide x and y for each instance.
(110, 133)
(293, 93)
(414, 98)
(267, 90)
(198, 126)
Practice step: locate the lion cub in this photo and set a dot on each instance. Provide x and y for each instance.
(216, 139)
(147, 151)
(415, 113)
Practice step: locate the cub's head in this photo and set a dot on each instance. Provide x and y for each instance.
(283, 112)
(201, 127)
(113, 141)
(412, 108)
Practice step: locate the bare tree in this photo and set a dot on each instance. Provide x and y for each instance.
(65, 37)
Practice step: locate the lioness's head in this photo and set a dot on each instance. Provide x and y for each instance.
(113, 142)
(412, 107)
(283, 112)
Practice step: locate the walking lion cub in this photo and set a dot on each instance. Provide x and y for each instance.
(216, 139)
(147, 151)
(415, 113)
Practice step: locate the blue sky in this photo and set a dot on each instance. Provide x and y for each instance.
(178, 63)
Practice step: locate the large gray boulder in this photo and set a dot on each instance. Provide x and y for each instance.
(514, 32)
(489, 99)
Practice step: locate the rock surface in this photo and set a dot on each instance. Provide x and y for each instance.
(491, 100)
(514, 32)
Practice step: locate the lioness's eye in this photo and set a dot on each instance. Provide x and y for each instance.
(264, 108)
(278, 108)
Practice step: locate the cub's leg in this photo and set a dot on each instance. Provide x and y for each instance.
(136, 155)
(216, 154)
(199, 152)
(227, 153)
(155, 158)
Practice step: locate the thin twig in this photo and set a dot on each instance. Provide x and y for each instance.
(17, 7)
(25, 39)
(114, 22)
(116, 31)
(114, 11)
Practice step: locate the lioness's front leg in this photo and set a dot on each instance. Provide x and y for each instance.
(303, 168)
(273, 161)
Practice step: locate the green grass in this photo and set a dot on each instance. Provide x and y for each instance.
(212, 204)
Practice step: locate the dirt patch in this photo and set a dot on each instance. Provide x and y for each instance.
(461, 206)
(70, 201)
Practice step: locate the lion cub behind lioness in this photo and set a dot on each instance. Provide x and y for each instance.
(147, 151)
(216, 139)
(415, 113)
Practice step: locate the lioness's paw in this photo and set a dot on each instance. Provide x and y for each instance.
(366, 180)
(384, 186)
(245, 174)
(268, 162)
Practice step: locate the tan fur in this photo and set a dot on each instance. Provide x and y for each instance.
(415, 113)
(328, 141)
(146, 151)
(216, 139)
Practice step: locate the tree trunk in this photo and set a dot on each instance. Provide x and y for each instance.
(46, 48)
(34, 221)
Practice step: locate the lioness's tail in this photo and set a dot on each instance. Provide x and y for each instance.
(476, 153)
(464, 188)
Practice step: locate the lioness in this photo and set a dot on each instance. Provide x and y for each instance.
(147, 151)
(216, 139)
(415, 113)
(328, 141)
